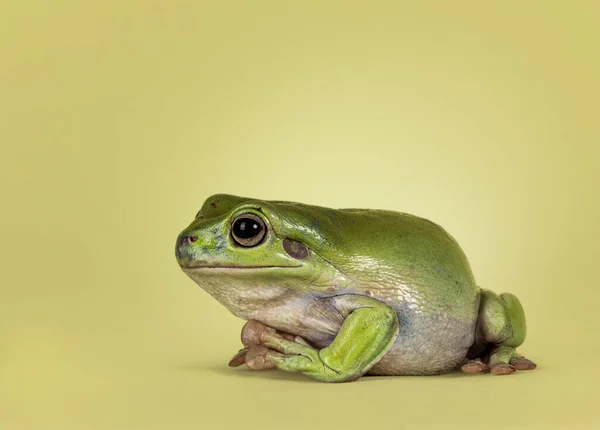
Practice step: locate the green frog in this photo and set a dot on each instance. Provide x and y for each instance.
(340, 293)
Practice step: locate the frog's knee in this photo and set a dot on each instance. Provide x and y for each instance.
(494, 321)
(516, 316)
(501, 319)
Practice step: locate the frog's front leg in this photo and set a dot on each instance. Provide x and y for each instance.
(501, 324)
(369, 330)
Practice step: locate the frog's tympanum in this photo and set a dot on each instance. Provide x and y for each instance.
(339, 293)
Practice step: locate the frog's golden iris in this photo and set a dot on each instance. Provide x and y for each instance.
(248, 230)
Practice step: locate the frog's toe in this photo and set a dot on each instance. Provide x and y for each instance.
(521, 363)
(502, 369)
(257, 357)
(239, 358)
(475, 366)
(253, 332)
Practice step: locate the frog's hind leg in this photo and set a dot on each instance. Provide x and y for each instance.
(500, 330)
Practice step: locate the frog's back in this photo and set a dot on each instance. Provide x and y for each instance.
(394, 249)
(416, 267)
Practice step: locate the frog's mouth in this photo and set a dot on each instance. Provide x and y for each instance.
(234, 266)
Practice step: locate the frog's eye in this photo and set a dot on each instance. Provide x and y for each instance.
(248, 230)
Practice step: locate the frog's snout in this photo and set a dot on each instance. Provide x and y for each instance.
(183, 241)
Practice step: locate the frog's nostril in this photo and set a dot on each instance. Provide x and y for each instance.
(186, 240)
(182, 242)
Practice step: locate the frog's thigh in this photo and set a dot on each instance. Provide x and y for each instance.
(502, 323)
(369, 330)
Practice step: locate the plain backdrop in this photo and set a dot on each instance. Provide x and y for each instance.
(119, 117)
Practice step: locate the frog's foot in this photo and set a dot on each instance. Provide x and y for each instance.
(475, 366)
(498, 364)
(256, 355)
(266, 348)
(254, 333)
(504, 360)
(521, 363)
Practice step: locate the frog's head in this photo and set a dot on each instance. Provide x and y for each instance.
(248, 252)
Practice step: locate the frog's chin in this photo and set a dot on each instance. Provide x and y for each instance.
(247, 291)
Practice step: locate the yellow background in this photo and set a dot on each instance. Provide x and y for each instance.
(118, 118)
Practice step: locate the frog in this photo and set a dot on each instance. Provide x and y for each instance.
(337, 294)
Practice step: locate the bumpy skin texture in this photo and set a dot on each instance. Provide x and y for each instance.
(339, 293)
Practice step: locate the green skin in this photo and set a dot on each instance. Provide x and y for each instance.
(336, 294)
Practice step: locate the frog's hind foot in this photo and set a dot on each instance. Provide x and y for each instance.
(502, 360)
(475, 366)
(521, 363)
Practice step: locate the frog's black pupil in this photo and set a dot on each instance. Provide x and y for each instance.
(246, 228)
